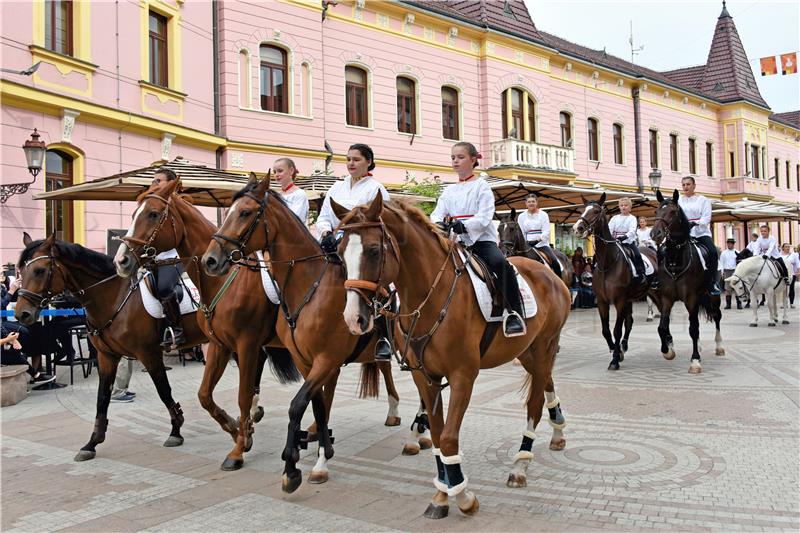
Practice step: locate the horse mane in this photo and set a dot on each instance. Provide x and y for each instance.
(405, 209)
(250, 187)
(75, 254)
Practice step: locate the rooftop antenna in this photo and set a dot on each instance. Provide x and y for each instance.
(634, 50)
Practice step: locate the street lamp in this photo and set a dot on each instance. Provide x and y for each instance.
(655, 179)
(34, 155)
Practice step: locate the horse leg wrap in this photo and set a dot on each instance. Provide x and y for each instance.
(527, 445)
(420, 424)
(176, 414)
(301, 438)
(100, 427)
(556, 419)
(254, 405)
(440, 481)
(456, 481)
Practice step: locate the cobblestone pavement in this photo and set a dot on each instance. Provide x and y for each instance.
(648, 447)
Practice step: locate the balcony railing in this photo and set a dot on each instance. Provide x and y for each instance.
(745, 185)
(516, 153)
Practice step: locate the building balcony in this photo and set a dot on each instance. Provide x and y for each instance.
(745, 186)
(526, 154)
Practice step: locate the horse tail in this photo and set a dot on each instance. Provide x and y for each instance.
(282, 365)
(527, 385)
(368, 382)
(706, 306)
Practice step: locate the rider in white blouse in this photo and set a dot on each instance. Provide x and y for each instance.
(296, 198)
(794, 262)
(623, 229)
(643, 234)
(468, 208)
(535, 226)
(768, 248)
(356, 189)
(697, 209)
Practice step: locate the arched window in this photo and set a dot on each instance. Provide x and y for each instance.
(450, 125)
(618, 147)
(594, 141)
(274, 79)
(566, 129)
(692, 156)
(244, 80)
(356, 96)
(519, 115)
(58, 213)
(406, 105)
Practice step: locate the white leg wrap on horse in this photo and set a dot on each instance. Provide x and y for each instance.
(436, 451)
(441, 487)
(322, 463)
(556, 426)
(254, 406)
(551, 399)
(523, 455)
(393, 406)
(529, 433)
(458, 489)
(451, 459)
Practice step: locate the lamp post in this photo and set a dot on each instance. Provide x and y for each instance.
(655, 180)
(34, 155)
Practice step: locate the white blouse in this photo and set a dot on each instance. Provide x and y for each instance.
(623, 225)
(472, 202)
(536, 228)
(363, 192)
(697, 208)
(297, 200)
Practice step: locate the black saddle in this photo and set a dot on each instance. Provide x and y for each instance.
(150, 280)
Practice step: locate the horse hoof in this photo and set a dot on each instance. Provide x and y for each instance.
(785, 322)
(621, 356)
(772, 324)
(753, 324)
(411, 448)
(173, 441)
(290, 483)
(558, 445)
(436, 512)
(670, 355)
(248, 444)
(425, 443)
(720, 352)
(259, 415)
(317, 478)
(229, 465)
(613, 366)
(84, 455)
(648, 319)
(695, 368)
(472, 507)
(392, 421)
(516, 481)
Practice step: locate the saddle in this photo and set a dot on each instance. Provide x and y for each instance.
(485, 275)
(150, 281)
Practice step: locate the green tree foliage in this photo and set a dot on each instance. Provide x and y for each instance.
(430, 187)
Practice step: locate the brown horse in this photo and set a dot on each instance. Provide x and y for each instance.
(681, 276)
(115, 315)
(311, 287)
(443, 332)
(614, 282)
(165, 220)
(513, 243)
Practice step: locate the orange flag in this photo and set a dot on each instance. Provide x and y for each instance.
(769, 66)
(789, 63)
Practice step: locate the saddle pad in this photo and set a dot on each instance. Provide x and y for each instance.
(270, 288)
(153, 306)
(484, 297)
(700, 254)
(648, 266)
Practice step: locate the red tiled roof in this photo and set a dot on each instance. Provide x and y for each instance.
(727, 76)
(688, 76)
(509, 16)
(790, 118)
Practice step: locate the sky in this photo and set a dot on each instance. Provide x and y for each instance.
(678, 34)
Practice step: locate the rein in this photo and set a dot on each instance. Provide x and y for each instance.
(590, 231)
(675, 244)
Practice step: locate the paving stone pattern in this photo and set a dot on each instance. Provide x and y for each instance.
(648, 447)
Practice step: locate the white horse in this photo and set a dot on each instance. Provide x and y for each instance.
(756, 275)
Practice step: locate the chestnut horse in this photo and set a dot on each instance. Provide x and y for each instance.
(614, 283)
(310, 283)
(513, 243)
(443, 332)
(115, 316)
(227, 303)
(681, 276)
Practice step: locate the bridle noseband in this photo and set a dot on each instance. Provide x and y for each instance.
(378, 287)
(236, 256)
(148, 252)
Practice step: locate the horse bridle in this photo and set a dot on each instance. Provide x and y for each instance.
(590, 224)
(42, 302)
(148, 252)
(236, 256)
(377, 288)
(511, 245)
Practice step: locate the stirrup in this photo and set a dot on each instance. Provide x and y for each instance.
(509, 334)
(383, 350)
(169, 334)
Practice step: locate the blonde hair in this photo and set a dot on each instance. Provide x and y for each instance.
(625, 200)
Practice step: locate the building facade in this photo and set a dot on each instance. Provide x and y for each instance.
(235, 85)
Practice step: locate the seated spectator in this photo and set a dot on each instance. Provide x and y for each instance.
(11, 354)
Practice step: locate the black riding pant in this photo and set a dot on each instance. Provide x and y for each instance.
(494, 259)
(551, 255)
(638, 262)
(167, 277)
(712, 257)
(791, 289)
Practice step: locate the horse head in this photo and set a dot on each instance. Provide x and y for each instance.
(42, 278)
(371, 261)
(594, 215)
(669, 219)
(145, 238)
(237, 237)
(511, 238)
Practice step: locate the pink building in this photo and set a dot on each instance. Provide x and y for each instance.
(236, 85)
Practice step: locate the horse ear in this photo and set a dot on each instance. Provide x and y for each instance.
(49, 243)
(513, 213)
(659, 196)
(602, 199)
(253, 178)
(26, 239)
(339, 210)
(583, 199)
(675, 196)
(375, 208)
(170, 188)
(268, 179)
(262, 187)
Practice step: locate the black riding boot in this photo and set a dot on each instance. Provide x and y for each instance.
(652, 279)
(384, 349)
(514, 324)
(172, 314)
(738, 303)
(727, 301)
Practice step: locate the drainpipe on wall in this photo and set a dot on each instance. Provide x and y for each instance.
(215, 64)
(637, 139)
